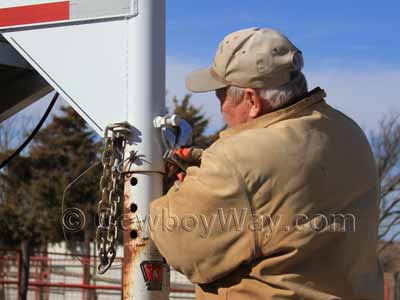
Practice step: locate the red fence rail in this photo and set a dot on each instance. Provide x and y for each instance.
(58, 276)
(63, 276)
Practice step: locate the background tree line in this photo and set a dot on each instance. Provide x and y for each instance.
(32, 185)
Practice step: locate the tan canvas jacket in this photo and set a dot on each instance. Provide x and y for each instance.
(282, 207)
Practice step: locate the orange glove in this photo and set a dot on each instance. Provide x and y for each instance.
(186, 157)
(183, 153)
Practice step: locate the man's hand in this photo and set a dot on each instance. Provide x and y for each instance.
(181, 159)
(189, 156)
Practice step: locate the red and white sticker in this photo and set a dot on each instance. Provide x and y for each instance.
(32, 12)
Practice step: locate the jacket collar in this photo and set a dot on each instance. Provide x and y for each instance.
(312, 97)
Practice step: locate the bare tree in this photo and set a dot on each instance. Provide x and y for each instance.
(7, 133)
(13, 131)
(386, 146)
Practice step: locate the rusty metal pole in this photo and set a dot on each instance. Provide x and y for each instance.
(145, 276)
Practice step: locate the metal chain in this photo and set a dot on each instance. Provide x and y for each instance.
(112, 191)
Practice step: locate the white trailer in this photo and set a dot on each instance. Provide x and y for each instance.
(107, 59)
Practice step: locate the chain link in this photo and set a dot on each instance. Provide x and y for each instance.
(112, 191)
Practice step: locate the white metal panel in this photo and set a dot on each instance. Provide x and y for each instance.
(83, 9)
(28, 13)
(86, 64)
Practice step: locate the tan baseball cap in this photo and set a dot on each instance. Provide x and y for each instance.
(249, 58)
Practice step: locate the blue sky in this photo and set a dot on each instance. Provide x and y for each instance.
(338, 31)
(351, 48)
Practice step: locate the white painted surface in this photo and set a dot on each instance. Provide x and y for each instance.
(146, 84)
(86, 64)
(83, 9)
(80, 11)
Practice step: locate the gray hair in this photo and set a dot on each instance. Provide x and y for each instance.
(276, 97)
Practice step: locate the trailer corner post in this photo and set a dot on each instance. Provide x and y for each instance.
(145, 276)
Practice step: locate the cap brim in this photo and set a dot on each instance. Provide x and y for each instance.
(202, 81)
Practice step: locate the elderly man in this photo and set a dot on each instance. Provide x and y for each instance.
(285, 203)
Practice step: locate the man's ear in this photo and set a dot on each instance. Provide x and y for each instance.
(255, 103)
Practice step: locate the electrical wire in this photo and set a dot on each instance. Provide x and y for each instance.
(63, 215)
(34, 132)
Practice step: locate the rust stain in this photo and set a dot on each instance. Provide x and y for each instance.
(129, 251)
(132, 247)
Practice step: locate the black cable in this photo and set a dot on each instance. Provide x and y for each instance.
(34, 132)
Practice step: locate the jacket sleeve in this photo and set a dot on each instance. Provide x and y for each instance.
(202, 226)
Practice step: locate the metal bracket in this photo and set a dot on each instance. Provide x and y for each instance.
(134, 9)
(175, 132)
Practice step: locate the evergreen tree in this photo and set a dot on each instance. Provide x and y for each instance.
(62, 151)
(197, 119)
(32, 187)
